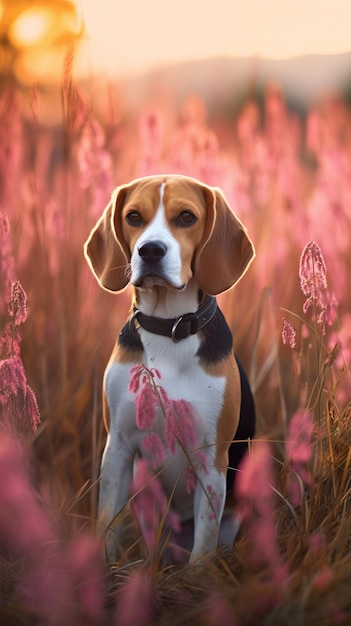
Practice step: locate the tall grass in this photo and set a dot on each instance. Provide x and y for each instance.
(289, 180)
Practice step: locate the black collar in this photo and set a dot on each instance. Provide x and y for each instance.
(181, 327)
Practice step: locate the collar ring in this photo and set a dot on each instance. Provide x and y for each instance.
(174, 329)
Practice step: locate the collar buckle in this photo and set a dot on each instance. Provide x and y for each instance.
(174, 329)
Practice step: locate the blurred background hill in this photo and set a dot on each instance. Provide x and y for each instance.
(148, 50)
(227, 82)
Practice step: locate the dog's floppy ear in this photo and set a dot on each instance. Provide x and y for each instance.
(225, 251)
(105, 250)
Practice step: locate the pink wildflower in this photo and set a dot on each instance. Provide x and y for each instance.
(288, 334)
(135, 601)
(85, 571)
(26, 530)
(180, 430)
(151, 130)
(10, 340)
(219, 611)
(327, 313)
(23, 524)
(18, 304)
(152, 444)
(298, 447)
(323, 579)
(134, 382)
(141, 374)
(12, 378)
(145, 404)
(18, 403)
(190, 478)
(31, 408)
(149, 505)
(299, 451)
(313, 282)
(147, 399)
(312, 273)
(6, 259)
(317, 543)
(179, 425)
(256, 506)
(179, 422)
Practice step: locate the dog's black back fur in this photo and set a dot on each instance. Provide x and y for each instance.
(246, 428)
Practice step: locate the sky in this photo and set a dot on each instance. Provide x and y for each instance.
(132, 36)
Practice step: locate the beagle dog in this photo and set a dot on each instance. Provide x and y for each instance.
(178, 244)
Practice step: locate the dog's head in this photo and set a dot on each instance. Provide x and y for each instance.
(163, 230)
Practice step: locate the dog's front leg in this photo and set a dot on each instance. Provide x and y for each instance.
(209, 499)
(115, 481)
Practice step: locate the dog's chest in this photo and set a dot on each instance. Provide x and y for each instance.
(181, 376)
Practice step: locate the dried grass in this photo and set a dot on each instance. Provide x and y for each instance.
(56, 183)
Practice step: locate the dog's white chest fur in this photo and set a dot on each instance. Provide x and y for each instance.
(182, 380)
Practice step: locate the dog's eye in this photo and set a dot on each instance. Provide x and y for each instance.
(186, 218)
(134, 218)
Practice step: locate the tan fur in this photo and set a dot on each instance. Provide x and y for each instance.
(119, 355)
(229, 417)
(217, 251)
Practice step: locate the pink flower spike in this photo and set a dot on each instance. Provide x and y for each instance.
(134, 383)
(219, 610)
(180, 427)
(135, 601)
(6, 262)
(155, 372)
(145, 404)
(17, 400)
(18, 304)
(313, 282)
(313, 276)
(165, 399)
(152, 444)
(288, 334)
(23, 523)
(87, 576)
(324, 577)
(190, 478)
(32, 408)
(298, 446)
(12, 377)
(10, 341)
(149, 504)
(299, 453)
(256, 508)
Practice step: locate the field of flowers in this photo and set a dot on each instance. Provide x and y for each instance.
(289, 180)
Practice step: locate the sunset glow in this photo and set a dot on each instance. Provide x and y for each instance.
(132, 36)
(31, 27)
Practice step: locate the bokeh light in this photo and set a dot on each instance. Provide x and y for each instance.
(32, 27)
(35, 37)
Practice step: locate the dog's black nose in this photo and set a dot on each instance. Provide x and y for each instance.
(152, 251)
